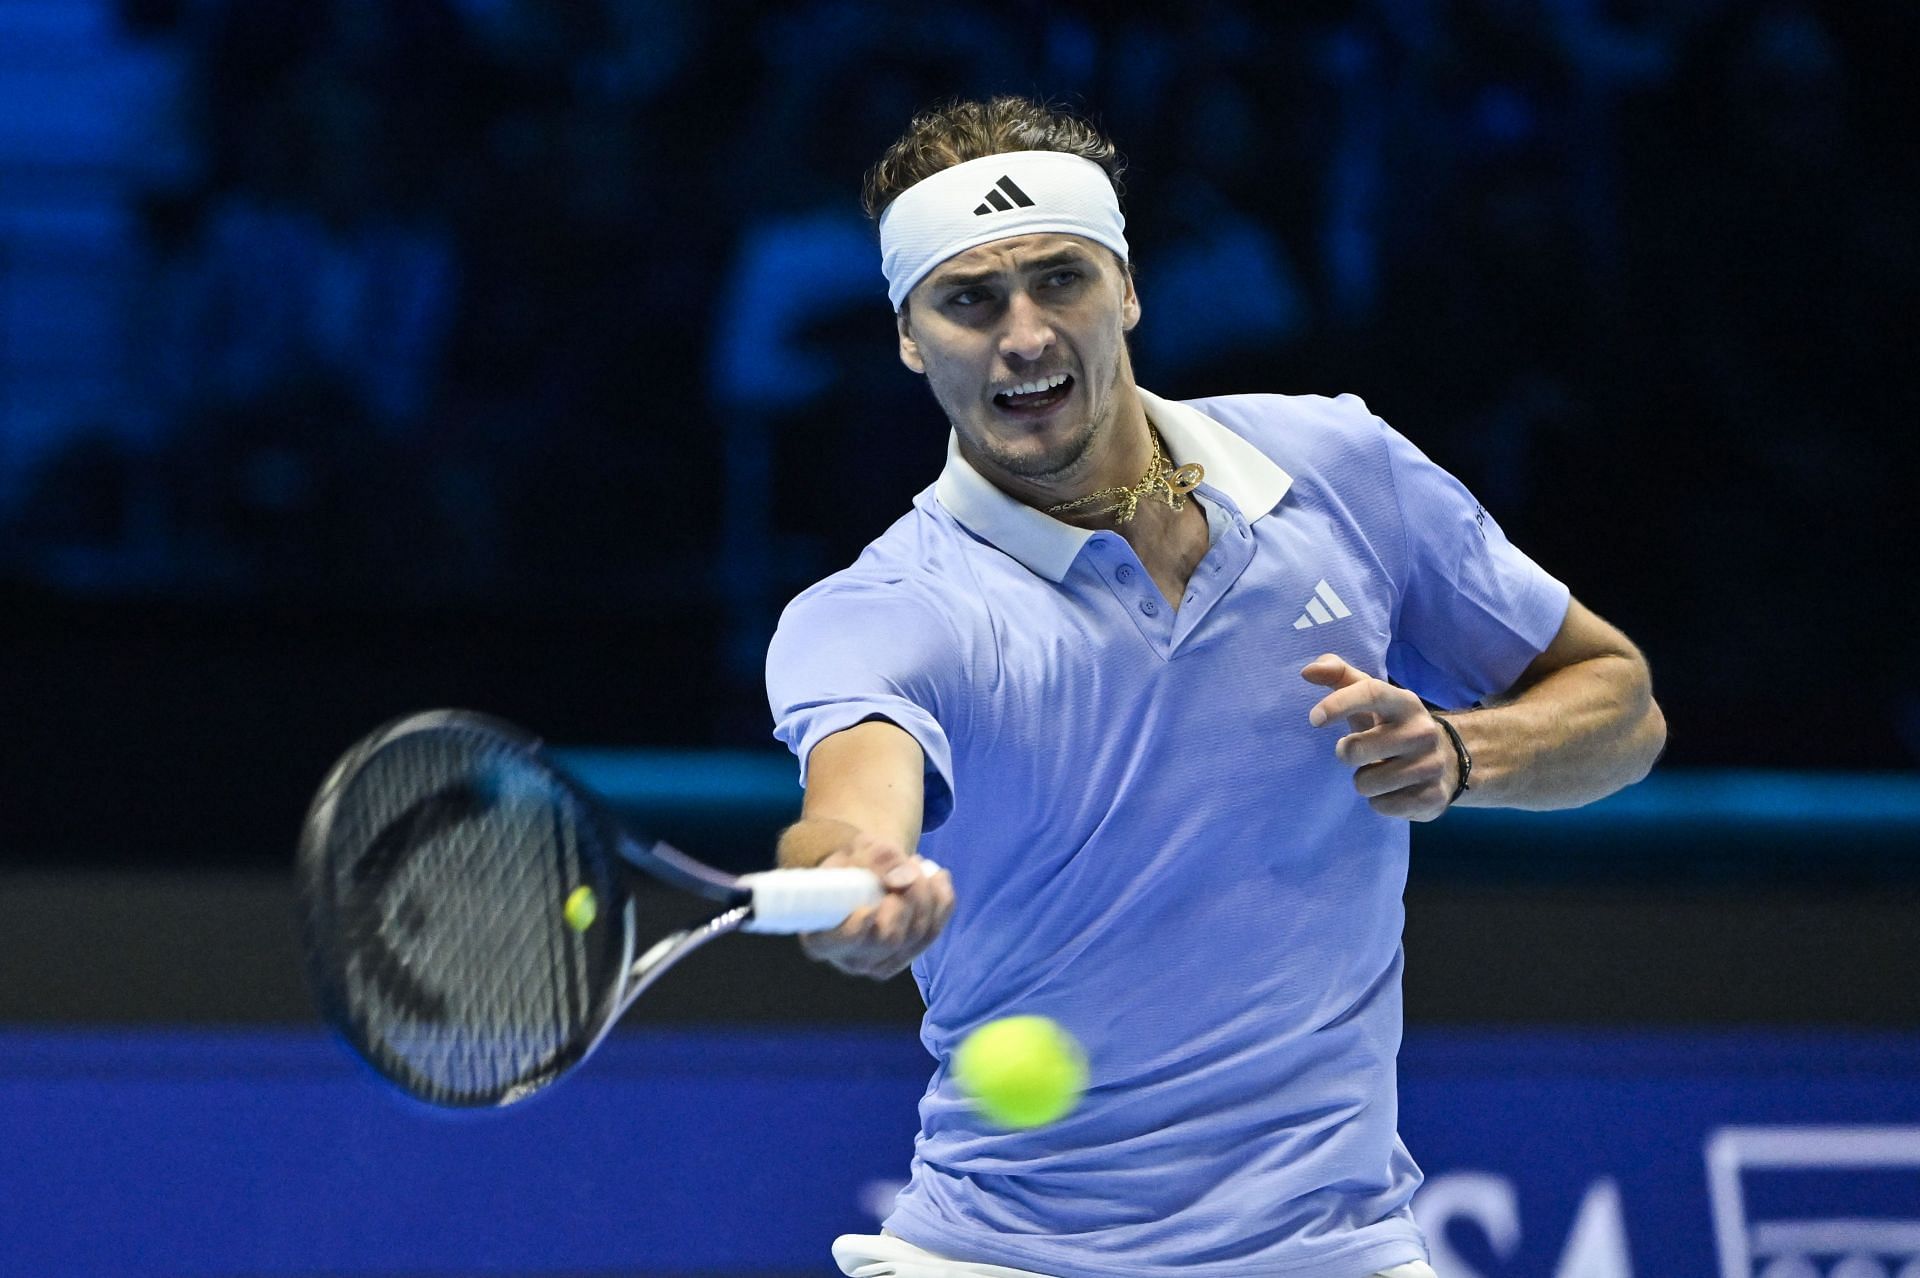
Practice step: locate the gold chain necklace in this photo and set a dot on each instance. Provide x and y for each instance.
(1163, 479)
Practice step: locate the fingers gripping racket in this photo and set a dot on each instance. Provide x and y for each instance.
(468, 909)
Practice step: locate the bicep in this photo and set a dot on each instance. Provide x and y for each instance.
(872, 776)
(1583, 636)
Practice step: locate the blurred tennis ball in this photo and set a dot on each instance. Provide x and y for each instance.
(1021, 1071)
(582, 908)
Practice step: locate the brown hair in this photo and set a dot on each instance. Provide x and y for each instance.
(961, 131)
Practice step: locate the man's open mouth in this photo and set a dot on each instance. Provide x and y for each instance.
(1036, 396)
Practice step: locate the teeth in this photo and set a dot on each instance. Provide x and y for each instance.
(1034, 388)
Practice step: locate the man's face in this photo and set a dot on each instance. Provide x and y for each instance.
(990, 325)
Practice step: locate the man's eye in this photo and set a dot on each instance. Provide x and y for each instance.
(1064, 277)
(965, 297)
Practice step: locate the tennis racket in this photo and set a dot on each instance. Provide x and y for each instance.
(468, 914)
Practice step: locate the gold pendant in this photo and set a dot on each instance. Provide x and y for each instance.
(1184, 479)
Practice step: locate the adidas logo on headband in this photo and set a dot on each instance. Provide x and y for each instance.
(929, 222)
(995, 200)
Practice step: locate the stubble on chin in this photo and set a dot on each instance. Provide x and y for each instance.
(1059, 463)
(1063, 462)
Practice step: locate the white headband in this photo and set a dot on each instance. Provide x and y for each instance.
(992, 198)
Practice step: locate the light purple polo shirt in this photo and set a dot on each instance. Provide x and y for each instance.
(1150, 844)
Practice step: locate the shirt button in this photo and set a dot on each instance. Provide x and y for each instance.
(1149, 607)
(1124, 573)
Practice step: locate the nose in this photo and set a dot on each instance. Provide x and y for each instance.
(1028, 331)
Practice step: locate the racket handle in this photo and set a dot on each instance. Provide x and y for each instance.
(808, 900)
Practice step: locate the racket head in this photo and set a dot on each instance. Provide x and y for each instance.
(435, 870)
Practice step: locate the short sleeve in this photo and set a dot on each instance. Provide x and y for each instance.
(844, 654)
(1475, 610)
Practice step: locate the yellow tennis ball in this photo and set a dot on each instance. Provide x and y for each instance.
(1021, 1071)
(582, 908)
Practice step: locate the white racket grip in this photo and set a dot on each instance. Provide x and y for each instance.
(808, 900)
(813, 900)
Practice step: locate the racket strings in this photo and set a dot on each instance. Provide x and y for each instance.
(464, 980)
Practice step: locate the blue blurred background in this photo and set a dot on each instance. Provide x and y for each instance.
(358, 356)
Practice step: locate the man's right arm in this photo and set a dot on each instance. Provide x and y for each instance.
(865, 794)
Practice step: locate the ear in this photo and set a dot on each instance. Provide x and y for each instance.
(1129, 303)
(909, 349)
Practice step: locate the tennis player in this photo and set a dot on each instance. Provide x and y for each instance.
(1156, 681)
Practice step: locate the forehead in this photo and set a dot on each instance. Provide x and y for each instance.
(1013, 254)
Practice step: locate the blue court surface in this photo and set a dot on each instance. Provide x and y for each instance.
(1567, 1154)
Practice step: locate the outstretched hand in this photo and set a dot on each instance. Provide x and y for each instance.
(1404, 765)
(881, 940)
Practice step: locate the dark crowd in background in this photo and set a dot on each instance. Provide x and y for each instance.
(552, 328)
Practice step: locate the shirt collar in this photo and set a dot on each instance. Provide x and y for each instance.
(1234, 468)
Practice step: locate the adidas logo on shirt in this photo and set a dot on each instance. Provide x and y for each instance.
(997, 201)
(1323, 607)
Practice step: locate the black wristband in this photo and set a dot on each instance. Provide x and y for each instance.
(1459, 748)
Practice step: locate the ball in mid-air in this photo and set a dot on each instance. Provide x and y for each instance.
(1021, 1071)
(582, 908)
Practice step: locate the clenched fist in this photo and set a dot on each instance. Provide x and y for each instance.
(881, 940)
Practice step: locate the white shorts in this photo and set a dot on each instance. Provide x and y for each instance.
(884, 1256)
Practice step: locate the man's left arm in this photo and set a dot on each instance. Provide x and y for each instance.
(1578, 724)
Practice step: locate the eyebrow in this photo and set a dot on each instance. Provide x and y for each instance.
(964, 278)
